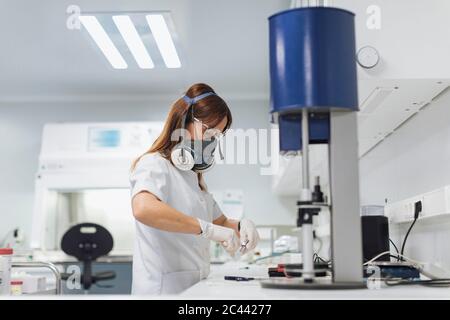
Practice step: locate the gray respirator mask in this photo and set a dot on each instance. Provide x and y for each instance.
(194, 154)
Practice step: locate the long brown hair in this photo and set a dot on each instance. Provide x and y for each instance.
(210, 110)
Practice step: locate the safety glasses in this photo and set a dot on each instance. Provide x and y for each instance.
(208, 132)
(212, 134)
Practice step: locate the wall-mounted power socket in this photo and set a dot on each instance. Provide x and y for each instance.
(434, 203)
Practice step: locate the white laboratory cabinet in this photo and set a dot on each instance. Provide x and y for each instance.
(402, 52)
(83, 176)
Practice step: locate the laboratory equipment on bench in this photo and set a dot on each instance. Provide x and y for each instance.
(238, 278)
(375, 231)
(286, 243)
(5, 270)
(382, 270)
(31, 283)
(16, 287)
(13, 282)
(314, 101)
(14, 239)
(296, 270)
(87, 242)
(34, 284)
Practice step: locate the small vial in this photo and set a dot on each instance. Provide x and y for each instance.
(16, 287)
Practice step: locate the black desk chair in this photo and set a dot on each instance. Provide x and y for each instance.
(87, 242)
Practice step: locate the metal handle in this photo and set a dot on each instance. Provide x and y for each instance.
(48, 265)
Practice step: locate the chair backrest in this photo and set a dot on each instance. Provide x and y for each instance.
(87, 241)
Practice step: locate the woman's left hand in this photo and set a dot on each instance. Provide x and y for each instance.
(249, 235)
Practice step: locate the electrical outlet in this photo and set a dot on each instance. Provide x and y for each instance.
(434, 203)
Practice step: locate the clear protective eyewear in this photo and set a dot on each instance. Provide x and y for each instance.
(211, 134)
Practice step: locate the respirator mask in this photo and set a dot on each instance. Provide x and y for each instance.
(196, 154)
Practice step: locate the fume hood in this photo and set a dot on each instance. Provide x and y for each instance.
(83, 177)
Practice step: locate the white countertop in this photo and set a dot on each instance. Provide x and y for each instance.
(215, 287)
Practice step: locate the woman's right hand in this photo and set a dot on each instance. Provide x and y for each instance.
(226, 236)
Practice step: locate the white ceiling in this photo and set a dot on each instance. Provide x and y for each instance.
(224, 43)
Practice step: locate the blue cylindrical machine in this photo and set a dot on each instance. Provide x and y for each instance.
(312, 65)
(313, 99)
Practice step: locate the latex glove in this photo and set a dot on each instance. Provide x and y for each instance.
(226, 236)
(248, 233)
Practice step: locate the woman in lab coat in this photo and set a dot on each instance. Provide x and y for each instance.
(175, 215)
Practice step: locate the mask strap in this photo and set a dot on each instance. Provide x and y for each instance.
(191, 101)
(220, 150)
(194, 100)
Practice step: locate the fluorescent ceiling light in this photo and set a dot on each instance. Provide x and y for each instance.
(134, 42)
(103, 41)
(163, 40)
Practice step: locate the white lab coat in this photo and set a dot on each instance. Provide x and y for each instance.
(168, 262)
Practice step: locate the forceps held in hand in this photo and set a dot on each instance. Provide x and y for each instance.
(243, 246)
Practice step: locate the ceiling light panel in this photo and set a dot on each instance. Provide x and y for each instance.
(133, 41)
(163, 38)
(142, 40)
(103, 41)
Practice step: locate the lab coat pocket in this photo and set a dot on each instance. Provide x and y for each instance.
(176, 282)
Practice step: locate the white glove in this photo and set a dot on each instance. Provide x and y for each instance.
(248, 233)
(226, 236)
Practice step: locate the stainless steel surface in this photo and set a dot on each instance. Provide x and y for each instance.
(318, 284)
(47, 265)
(346, 239)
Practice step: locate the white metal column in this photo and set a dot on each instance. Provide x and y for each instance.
(345, 214)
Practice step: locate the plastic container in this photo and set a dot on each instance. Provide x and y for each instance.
(375, 232)
(16, 287)
(5, 270)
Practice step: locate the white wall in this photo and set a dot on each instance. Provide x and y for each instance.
(20, 138)
(413, 160)
(412, 39)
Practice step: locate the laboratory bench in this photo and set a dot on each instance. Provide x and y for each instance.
(215, 287)
(120, 264)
